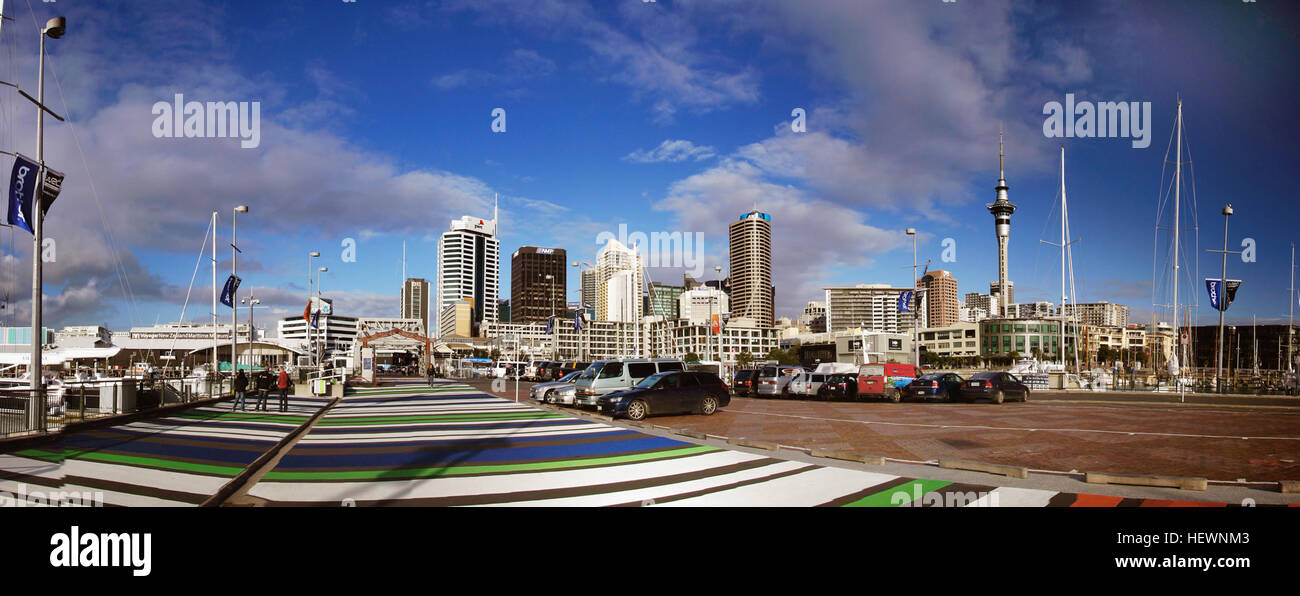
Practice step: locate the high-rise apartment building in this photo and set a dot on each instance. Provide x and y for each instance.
(873, 307)
(589, 290)
(661, 300)
(416, 300)
(622, 297)
(750, 245)
(698, 306)
(537, 284)
(940, 298)
(1099, 314)
(469, 266)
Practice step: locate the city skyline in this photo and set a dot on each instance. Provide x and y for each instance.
(596, 137)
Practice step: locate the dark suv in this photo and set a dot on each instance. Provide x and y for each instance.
(668, 393)
(743, 382)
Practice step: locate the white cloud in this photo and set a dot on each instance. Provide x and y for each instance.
(671, 151)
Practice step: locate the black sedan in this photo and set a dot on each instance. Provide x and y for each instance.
(668, 392)
(943, 385)
(997, 386)
(839, 387)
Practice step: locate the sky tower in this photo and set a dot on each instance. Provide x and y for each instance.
(1002, 210)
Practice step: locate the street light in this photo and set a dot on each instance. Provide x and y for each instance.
(252, 329)
(717, 269)
(321, 336)
(55, 28)
(1223, 296)
(916, 348)
(311, 255)
(234, 312)
(582, 308)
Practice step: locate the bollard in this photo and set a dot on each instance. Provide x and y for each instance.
(83, 401)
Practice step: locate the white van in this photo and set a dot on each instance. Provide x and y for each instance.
(607, 376)
(806, 383)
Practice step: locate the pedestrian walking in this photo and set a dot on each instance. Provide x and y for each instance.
(241, 386)
(432, 373)
(282, 383)
(263, 388)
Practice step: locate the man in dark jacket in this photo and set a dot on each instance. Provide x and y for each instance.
(241, 386)
(263, 388)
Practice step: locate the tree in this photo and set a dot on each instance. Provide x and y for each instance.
(691, 357)
(744, 359)
(1014, 356)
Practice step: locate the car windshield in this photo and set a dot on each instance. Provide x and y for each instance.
(932, 377)
(570, 377)
(650, 381)
(984, 375)
(590, 372)
(873, 370)
(611, 369)
(768, 371)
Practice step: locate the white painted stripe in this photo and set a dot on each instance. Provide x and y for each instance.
(1007, 496)
(453, 486)
(112, 497)
(657, 492)
(349, 438)
(807, 489)
(190, 483)
(29, 466)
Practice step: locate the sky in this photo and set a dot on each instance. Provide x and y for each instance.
(376, 128)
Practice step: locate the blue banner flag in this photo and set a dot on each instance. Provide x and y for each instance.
(22, 192)
(315, 317)
(549, 322)
(1222, 292)
(577, 320)
(228, 292)
(904, 300)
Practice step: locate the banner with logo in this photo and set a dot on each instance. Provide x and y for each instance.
(22, 192)
(1215, 287)
(315, 318)
(549, 323)
(717, 324)
(50, 189)
(904, 300)
(228, 292)
(577, 320)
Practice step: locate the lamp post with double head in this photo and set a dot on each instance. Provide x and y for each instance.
(54, 28)
(234, 311)
(322, 336)
(311, 255)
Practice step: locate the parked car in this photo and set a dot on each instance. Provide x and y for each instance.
(806, 383)
(774, 380)
(995, 385)
(548, 371)
(945, 385)
(542, 391)
(743, 382)
(608, 376)
(839, 386)
(573, 366)
(563, 395)
(668, 393)
(885, 379)
(531, 371)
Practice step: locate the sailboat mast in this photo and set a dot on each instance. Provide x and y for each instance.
(1290, 317)
(215, 341)
(1063, 241)
(1178, 182)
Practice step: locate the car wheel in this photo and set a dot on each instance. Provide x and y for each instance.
(637, 410)
(1024, 397)
(709, 405)
(951, 396)
(894, 395)
(999, 397)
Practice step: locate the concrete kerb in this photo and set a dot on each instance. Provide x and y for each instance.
(743, 442)
(1289, 487)
(1179, 482)
(874, 460)
(974, 466)
(239, 481)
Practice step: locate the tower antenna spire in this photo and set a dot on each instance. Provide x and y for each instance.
(1001, 170)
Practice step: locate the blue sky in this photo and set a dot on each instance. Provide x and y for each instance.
(664, 116)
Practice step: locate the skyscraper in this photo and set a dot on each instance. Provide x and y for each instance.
(940, 298)
(752, 293)
(621, 298)
(1002, 209)
(589, 291)
(469, 266)
(415, 301)
(533, 297)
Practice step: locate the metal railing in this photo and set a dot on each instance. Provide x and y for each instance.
(78, 400)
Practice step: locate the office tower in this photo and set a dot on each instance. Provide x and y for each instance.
(416, 300)
(534, 297)
(940, 298)
(625, 299)
(469, 266)
(751, 291)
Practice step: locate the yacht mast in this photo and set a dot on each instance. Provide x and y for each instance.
(1178, 171)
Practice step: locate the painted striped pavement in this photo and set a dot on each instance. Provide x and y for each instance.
(451, 445)
(178, 460)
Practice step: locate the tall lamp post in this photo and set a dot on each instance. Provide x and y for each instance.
(916, 347)
(582, 309)
(1223, 296)
(321, 336)
(234, 311)
(252, 329)
(311, 255)
(54, 28)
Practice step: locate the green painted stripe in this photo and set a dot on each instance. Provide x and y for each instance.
(41, 454)
(904, 492)
(410, 473)
(168, 464)
(382, 420)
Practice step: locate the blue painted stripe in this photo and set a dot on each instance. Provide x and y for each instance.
(479, 451)
(376, 429)
(432, 442)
